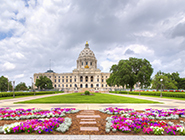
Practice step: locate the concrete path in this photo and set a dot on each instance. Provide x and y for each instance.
(88, 137)
(167, 103)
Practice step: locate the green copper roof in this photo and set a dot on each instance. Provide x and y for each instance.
(50, 71)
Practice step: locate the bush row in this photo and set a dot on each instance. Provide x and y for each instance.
(9, 94)
(165, 94)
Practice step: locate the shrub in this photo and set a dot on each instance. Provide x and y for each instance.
(87, 92)
(151, 93)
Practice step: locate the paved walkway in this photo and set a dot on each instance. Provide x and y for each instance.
(88, 137)
(167, 103)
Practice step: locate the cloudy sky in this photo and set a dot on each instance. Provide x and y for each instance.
(34, 31)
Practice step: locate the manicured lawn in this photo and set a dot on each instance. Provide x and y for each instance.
(160, 97)
(97, 98)
(4, 98)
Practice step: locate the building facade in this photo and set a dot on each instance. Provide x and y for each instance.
(86, 76)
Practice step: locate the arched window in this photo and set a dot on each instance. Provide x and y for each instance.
(86, 78)
(86, 85)
(81, 86)
(91, 78)
(91, 85)
(81, 79)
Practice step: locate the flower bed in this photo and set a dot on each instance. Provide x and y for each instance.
(8, 114)
(112, 110)
(145, 121)
(38, 126)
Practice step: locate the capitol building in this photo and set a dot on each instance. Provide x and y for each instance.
(86, 76)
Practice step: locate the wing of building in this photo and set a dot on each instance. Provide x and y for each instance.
(86, 76)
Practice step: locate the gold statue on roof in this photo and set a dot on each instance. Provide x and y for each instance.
(86, 66)
(86, 42)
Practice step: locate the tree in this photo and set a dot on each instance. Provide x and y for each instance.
(44, 83)
(168, 80)
(130, 72)
(181, 83)
(21, 86)
(4, 83)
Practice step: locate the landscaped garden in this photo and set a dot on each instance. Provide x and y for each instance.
(156, 94)
(9, 95)
(112, 121)
(95, 98)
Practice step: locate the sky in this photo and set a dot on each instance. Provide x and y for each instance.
(34, 31)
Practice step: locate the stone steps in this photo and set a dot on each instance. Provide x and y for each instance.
(87, 117)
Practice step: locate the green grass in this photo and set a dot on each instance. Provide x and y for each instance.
(97, 98)
(4, 98)
(159, 97)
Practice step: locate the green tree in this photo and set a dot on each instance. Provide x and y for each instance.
(21, 86)
(168, 81)
(181, 83)
(130, 72)
(44, 83)
(4, 83)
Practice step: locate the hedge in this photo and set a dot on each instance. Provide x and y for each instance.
(165, 94)
(9, 94)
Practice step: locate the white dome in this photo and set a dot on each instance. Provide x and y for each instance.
(86, 52)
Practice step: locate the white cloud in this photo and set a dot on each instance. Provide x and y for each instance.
(18, 76)
(8, 66)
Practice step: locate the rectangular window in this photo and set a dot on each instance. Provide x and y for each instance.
(102, 76)
(86, 63)
(97, 80)
(49, 76)
(70, 76)
(62, 85)
(62, 80)
(71, 80)
(62, 76)
(66, 85)
(75, 80)
(91, 63)
(70, 85)
(66, 76)
(55, 80)
(102, 80)
(58, 85)
(59, 80)
(106, 76)
(66, 80)
(58, 76)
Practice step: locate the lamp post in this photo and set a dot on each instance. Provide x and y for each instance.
(127, 86)
(13, 89)
(161, 88)
(139, 89)
(32, 85)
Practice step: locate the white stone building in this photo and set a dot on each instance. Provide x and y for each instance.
(86, 76)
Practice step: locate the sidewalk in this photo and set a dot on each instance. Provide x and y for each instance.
(88, 137)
